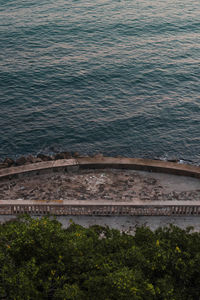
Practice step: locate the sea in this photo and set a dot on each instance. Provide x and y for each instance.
(118, 77)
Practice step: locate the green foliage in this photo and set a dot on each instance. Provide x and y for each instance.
(41, 260)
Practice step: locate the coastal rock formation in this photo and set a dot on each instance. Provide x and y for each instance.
(9, 162)
(30, 159)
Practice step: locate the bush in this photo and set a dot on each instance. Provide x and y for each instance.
(41, 260)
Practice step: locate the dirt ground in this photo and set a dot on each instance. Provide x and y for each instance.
(94, 185)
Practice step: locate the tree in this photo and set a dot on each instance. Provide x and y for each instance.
(41, 260)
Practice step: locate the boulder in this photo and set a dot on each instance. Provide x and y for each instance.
(3, 165)
(21, 161)
(98, 155)
(62, 155)
(30, 159)
(44, 157)
(173, 160)
(10, 162)
(76, 154)
(59, 156)
(37, 159)
(67, 155)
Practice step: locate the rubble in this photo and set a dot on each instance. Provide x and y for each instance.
(107, 184)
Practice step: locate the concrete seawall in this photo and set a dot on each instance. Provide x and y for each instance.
(107, 162)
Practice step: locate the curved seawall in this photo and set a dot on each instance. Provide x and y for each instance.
(107, 162)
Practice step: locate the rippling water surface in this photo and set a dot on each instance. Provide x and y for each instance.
(119, 77)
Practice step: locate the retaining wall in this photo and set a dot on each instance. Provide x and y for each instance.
(107, 162)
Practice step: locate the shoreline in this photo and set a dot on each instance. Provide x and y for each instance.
(8, 162)
(100, 179)
(64, 160)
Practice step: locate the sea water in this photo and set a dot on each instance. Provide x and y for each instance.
(110, 76)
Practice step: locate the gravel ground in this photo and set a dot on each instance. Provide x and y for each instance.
(107, 184)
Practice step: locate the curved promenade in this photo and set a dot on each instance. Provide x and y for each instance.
(168, 208)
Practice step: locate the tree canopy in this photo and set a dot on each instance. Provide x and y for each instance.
(41, 260)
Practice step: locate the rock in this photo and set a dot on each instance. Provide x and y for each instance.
(37, 159)
(151, 181)
(173, 160)
(59, 156)
(30, 159)
(3, 165)
(21, 161)
(76, 154)
(98, 155)
(9, 162)
(44, 157)
(63, 155)
(67, 155)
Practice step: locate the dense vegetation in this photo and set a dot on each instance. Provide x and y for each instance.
(41, 260)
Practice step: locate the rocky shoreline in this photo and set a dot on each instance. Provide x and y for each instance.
(31, 159)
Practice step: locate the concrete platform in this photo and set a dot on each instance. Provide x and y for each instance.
(101, 186)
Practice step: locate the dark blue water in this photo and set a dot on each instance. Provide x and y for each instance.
(118, 77)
